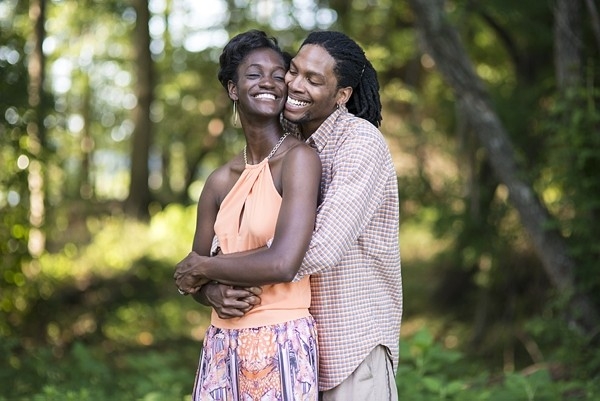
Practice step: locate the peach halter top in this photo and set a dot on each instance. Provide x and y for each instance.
(245, 221)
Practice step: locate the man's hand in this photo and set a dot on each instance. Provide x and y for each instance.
(188, 278)
(229, 301)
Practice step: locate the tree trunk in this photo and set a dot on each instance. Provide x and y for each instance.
(86, 184)
(35, 130)
(595, 20)
(568, 43)
(441, 41)
(139, 190)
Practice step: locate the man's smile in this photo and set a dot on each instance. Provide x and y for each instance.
(296, 103)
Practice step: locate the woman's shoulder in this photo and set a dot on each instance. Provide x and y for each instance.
(224, 175)
(299, 149)
(295, 155)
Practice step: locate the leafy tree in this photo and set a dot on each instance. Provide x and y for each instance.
(17, 151)
(442, 42)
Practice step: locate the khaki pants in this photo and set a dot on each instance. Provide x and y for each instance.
(373, 380)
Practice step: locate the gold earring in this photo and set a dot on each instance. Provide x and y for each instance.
(235, 114)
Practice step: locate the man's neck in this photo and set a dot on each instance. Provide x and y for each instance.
(306, 135)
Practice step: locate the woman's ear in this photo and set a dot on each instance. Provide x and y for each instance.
(232, 90)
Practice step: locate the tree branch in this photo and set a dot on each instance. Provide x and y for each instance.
(441, 41)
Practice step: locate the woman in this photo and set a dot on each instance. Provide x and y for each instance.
(268, 192)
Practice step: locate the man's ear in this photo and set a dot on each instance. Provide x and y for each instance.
(232, 90)
(343, 95)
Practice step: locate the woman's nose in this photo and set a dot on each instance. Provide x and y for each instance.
(267, 82)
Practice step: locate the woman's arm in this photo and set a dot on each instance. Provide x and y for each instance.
(301, 174)
(227, 301)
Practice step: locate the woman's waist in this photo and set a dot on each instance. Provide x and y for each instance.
(278, 303)
(258, 318)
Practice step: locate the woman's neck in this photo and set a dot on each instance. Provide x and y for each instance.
(260, 140)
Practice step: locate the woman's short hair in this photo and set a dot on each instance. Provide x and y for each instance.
(236, 50)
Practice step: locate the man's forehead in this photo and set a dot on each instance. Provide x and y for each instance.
(314, 58)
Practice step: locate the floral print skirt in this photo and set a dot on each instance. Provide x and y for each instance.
(268, 363)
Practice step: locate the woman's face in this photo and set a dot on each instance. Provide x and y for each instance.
(261, 90)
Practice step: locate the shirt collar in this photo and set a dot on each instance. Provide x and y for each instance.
(319, 138)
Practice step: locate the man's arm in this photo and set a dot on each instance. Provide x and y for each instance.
(348, 205)
(228, 301)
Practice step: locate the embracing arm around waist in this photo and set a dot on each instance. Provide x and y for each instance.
(300, 177)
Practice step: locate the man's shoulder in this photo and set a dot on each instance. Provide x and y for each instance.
(357, 128)
(352, 122)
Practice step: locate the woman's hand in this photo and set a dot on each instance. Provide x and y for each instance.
(188, 277)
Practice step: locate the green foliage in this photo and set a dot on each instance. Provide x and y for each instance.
(570, 348)
(140, 349)
(423, 373)
(571, 187)
(88, 373)
(430, 372)
(103, 320)
(109, 280)
(14, 193)
(14, 225)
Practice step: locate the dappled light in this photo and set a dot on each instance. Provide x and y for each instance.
(492, 125)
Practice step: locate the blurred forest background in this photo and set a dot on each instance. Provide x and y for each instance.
(111, 117)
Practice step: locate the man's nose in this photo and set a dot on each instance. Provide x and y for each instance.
(294, 83)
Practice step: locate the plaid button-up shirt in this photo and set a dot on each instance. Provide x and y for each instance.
(354, 255)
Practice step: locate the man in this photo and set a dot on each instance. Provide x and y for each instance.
(353, 257)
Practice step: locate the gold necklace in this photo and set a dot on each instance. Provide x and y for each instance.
(272, 151)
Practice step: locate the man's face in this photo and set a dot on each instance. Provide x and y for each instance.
(312, 88)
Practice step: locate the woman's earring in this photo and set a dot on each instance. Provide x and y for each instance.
(235, 114)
